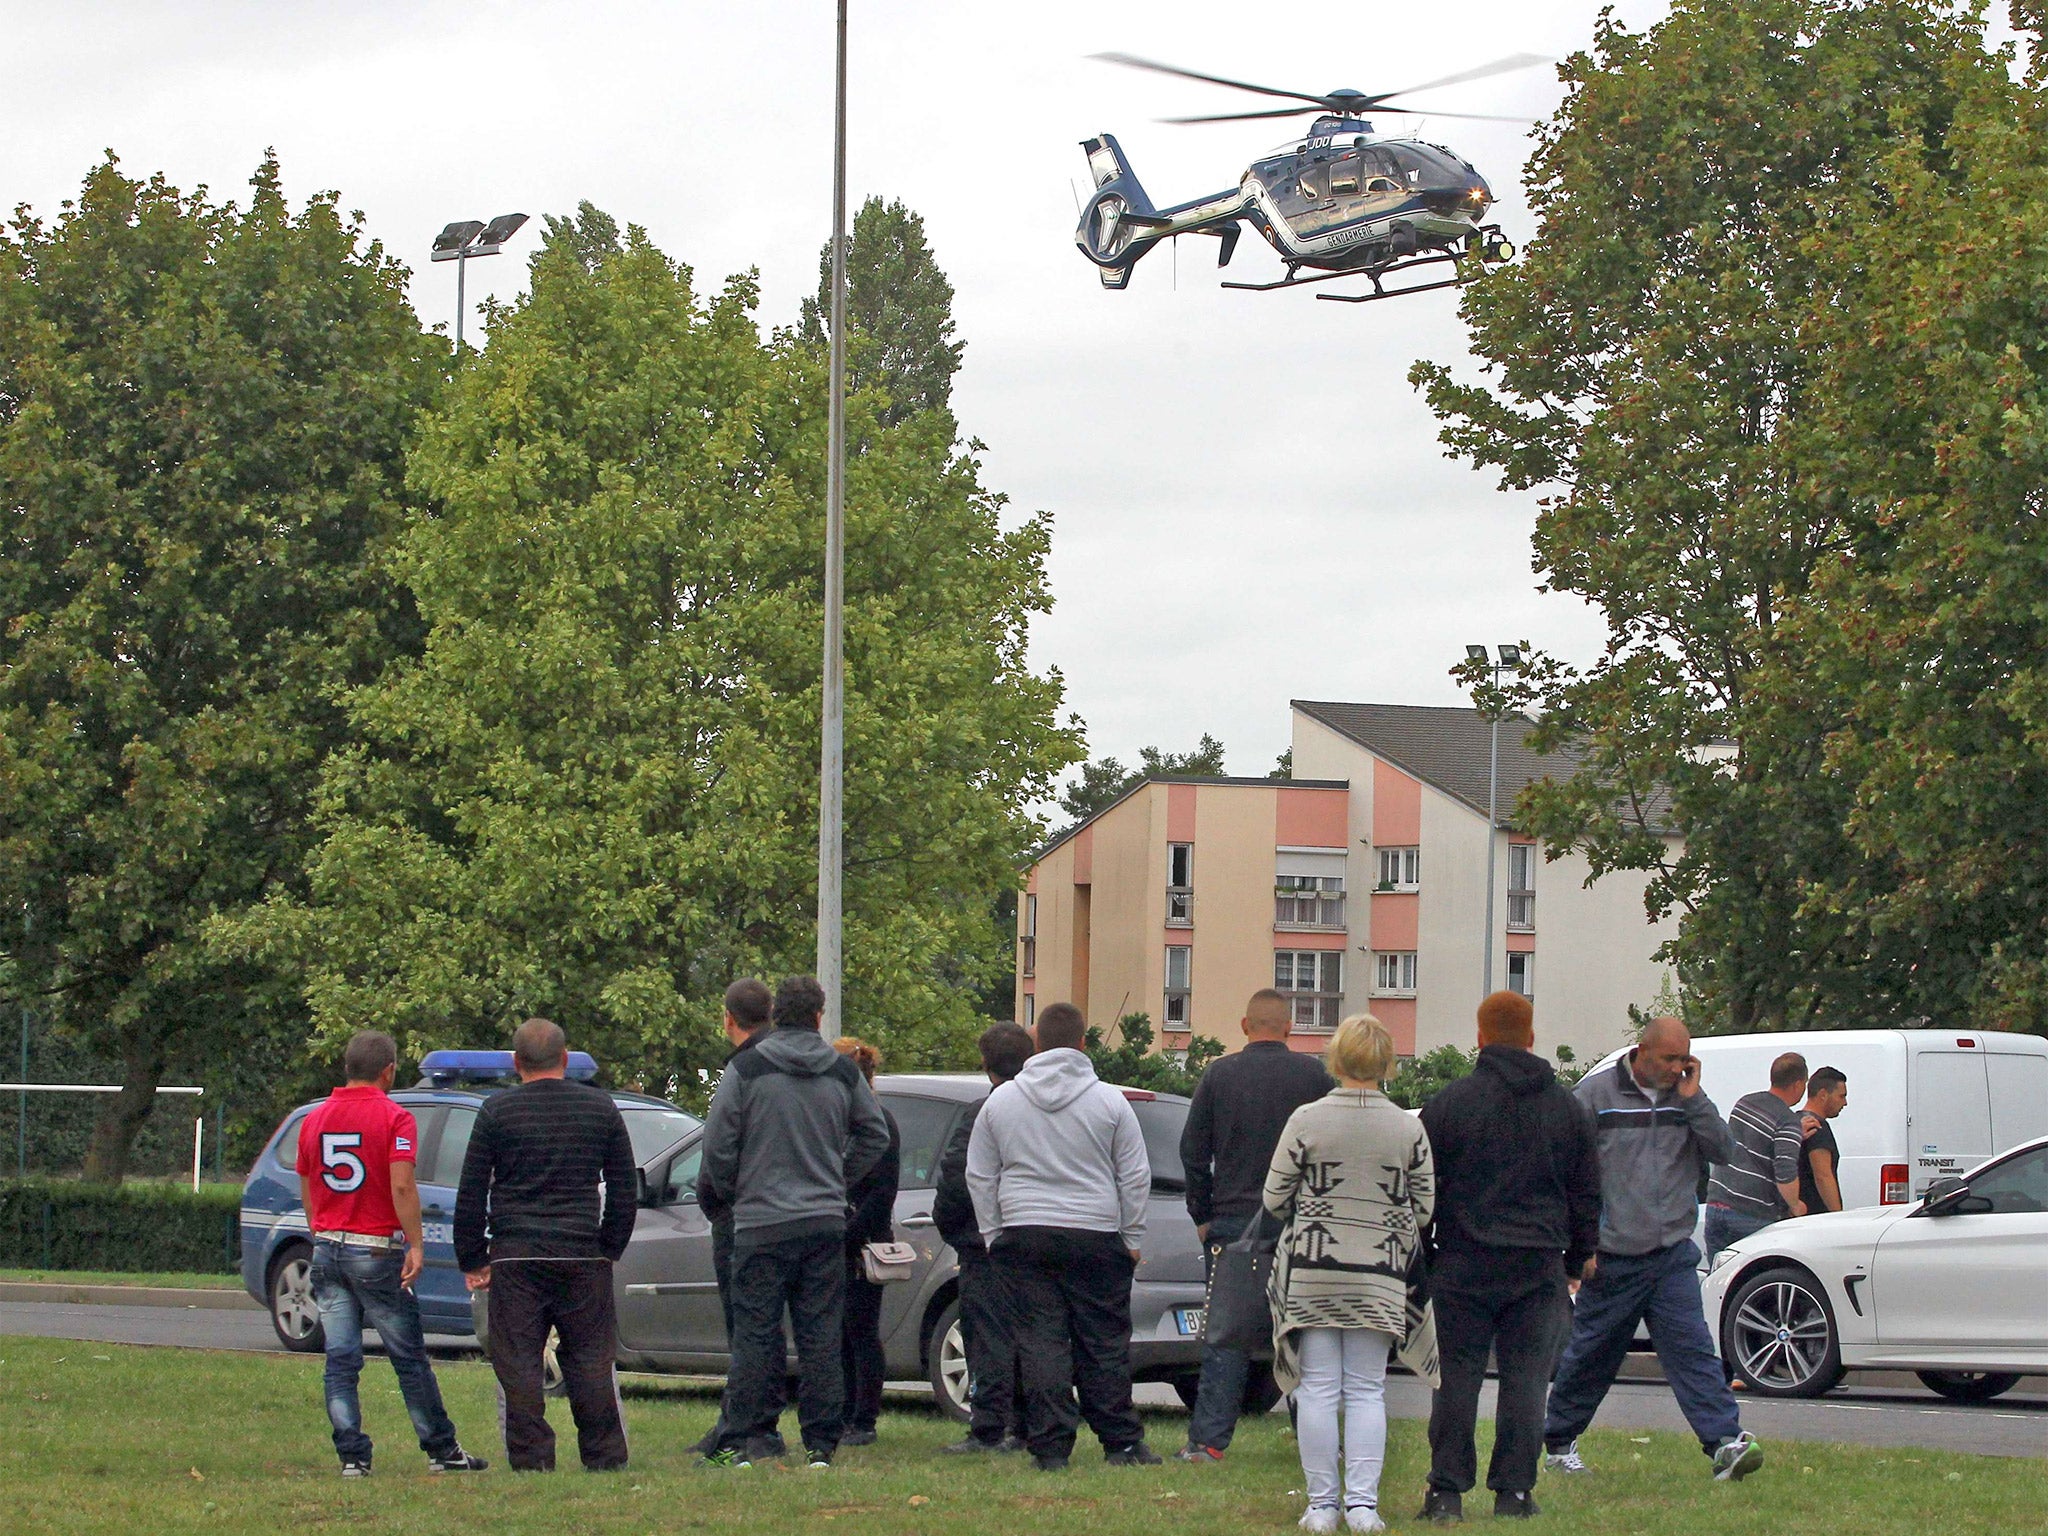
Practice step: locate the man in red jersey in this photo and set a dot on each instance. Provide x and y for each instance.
(356, 1156)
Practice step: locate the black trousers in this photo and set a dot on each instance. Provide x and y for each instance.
(574, 1297)
(1072, 1292)
(988, 1327)
(862, 1347)
(1510, 1301)
(805, 1279)
(725, 1435)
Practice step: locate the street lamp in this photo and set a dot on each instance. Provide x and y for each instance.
(1510, 660)
(471, 237)
(832, 734)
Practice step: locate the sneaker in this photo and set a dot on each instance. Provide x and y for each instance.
(1737, 1458)
(355, 1469)
(971, 1446)
(728, 1456)
(1364, 1519)
(1566, 1461)
(457, 1460)
(1319, 1520)
(1514, 1506)
(1200, 1455)
(1441, 1506)
(858, 1437)
(1136, 1455)
(818, 1461)
(1049, 1463)
(1013, 1445)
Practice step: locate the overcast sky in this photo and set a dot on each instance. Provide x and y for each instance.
(1251, 502)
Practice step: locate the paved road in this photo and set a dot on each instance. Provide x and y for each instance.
(1873, 1410)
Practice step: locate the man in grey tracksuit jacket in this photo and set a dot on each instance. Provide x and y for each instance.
(1059, 1176)
(1658, 1132)
(792, 1125)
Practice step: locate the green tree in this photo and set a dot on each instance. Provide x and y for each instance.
(1105, 781)
(1697, 197)
(899, 314)
(203, 414)
(595, 794)
(1132, 1063)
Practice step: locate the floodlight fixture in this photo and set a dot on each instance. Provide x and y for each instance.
(496, 233)
(1511, 656)
(1477, 653)
(472, 237)
(454, 240)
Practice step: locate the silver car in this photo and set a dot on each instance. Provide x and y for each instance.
(667, 1291)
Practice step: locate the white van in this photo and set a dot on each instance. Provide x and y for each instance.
(1923, 1103)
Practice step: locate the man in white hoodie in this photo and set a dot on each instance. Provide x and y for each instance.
(1059, 1176)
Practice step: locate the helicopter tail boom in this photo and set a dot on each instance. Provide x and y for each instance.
(1119, 224)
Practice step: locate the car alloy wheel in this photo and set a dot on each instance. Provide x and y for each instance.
(1779, 1335)
(1969, 1386)
(946, 1364)
(293, 1313)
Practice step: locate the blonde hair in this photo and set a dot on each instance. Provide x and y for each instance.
(865, 1056)
(1361, 1050)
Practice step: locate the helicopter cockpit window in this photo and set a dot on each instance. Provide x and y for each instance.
(1313, 181)
(1344, 174)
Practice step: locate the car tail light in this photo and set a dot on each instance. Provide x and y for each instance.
(1894, 1184)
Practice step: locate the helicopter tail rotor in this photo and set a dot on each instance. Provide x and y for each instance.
(1118, 223)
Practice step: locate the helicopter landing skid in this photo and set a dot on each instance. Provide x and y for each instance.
(1374, 274)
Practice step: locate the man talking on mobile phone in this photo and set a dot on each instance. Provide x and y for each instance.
(355, 1165)
(1658, 1132)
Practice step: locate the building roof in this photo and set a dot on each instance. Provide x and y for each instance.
(1447, 748)
(1180, 778)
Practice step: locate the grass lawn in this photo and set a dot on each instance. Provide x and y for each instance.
(110, 1438)
(174, 1281)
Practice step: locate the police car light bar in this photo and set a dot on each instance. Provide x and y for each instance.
(443, 1067)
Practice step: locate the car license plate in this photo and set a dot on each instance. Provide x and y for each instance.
(1188, 1320)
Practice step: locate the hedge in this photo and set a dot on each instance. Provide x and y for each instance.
(57, 1224)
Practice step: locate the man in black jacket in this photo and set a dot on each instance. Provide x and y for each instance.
(747, 1006)
(1241, 1106)
(791, 1126)
(533, 1229)
(986, 1327)
(1517, 1211)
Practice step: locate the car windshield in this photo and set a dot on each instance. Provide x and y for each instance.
(1162, 1121)
(655, 1128)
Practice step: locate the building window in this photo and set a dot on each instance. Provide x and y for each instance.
(1400, 869)
(1179, 967)
(1521, 887)
(1393, 973)
(1522, 974)
(1180, 885)
(1314, 981)
(1030, 942)
(1308, 901)
(1030, 1011)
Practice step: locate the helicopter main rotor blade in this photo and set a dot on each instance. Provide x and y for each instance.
(1131, 61)
(1470, 117)
(1240, 117)
(1508, 65)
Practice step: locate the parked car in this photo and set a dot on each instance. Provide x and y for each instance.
(277, 1248)
(1954, 1288)
(1924, 1104)
(667, 1291)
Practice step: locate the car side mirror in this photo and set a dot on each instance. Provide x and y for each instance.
(650, 1191)
(1943, 1196)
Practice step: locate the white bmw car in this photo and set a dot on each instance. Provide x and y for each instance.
(1954, 1289)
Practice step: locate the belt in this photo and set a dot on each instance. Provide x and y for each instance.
(359, 1239)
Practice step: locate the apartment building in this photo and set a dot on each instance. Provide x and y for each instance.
(1358, 886)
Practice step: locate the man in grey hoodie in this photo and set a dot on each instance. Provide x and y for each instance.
(1059, 1176)
(791, 1126)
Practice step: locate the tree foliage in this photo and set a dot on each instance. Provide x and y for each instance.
(1660, 367)
(594, 795)
(1104, 781)
(203, 412)
(1132, 1063)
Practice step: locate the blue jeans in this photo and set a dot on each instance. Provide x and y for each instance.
(356, 1286)
(1662, 1288)
(1220, 1398)
(1726, 1225)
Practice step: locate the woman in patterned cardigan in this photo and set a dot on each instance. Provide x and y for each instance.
(1353, 1182)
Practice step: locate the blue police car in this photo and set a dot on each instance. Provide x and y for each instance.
(277, 1248)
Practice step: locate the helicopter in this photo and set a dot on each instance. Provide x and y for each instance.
(1339, 202)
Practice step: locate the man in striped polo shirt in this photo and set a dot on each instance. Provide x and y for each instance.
(1760, 1183)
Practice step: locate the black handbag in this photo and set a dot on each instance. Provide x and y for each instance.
(1238, 1315)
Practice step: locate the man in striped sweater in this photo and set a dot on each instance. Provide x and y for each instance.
(1760, 1183)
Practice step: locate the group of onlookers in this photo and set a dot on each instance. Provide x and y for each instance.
(1442, 1240)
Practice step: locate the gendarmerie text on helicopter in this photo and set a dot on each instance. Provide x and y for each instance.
(1340, 202)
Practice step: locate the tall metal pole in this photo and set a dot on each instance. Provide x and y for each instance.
(831, 755)
(21, 1121)
(461, 299)
(1492, 821)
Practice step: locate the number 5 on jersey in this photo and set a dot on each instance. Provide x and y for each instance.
(340, 1168)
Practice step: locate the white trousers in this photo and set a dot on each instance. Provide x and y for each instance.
(1347, 1368)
